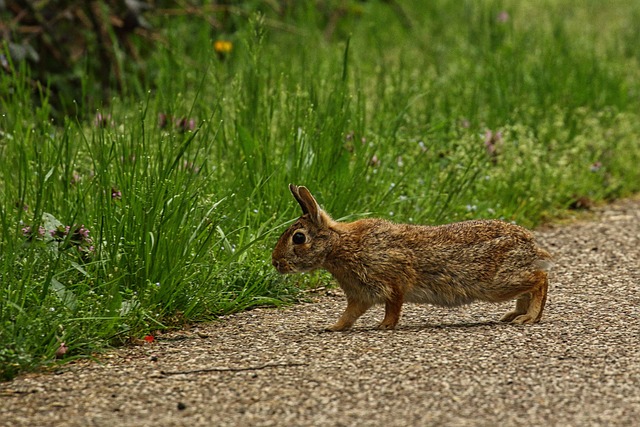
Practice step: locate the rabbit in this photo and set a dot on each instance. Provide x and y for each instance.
(376, 261)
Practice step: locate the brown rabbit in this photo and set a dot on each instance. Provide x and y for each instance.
(376, 261)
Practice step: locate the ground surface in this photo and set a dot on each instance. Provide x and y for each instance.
(580, 366)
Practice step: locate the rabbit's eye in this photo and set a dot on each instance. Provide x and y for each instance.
(299, 238)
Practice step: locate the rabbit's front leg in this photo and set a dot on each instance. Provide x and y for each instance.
(355, 309)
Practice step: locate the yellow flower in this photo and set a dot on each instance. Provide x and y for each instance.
(222, 46)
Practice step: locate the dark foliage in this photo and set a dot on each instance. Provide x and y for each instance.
(62, 41)
(80, 52)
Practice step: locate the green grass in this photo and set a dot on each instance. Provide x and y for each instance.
(376, 118)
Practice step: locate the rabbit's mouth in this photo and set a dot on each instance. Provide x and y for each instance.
(282, 266)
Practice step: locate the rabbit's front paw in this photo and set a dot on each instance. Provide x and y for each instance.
(386, 326)
(337, 327)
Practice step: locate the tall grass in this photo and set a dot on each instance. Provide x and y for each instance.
(164, 209)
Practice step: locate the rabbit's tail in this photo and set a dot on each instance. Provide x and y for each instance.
(544, 264)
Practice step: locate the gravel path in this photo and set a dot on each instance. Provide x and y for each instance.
(580, 366)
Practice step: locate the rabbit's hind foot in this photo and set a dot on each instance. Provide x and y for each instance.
(529, 306)
(522, 305)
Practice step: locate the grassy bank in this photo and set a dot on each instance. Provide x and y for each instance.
(165, 206)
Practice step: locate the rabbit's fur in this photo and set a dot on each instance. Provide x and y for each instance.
(376, 261)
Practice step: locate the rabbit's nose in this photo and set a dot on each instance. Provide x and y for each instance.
(280, 265)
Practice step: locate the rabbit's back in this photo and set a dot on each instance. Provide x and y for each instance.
(448, 265)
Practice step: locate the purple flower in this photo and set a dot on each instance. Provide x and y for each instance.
(21, 205)
(190, 167)
(75, 178)
(61, 350)
(115, 194)
(60, 232)
(26, 231)
(86, 249)
(163, 120)
(503, 17)
(492, 141)
(82, 231)
(102, 121)
(184, 124)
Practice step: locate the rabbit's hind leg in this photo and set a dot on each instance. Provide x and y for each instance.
(522, 306)
(537, 299)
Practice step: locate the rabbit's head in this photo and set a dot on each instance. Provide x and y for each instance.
(305, 245)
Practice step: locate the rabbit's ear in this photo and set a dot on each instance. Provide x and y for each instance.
(309, 205)
(294, 190)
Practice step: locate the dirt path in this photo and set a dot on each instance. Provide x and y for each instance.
(580, 366)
